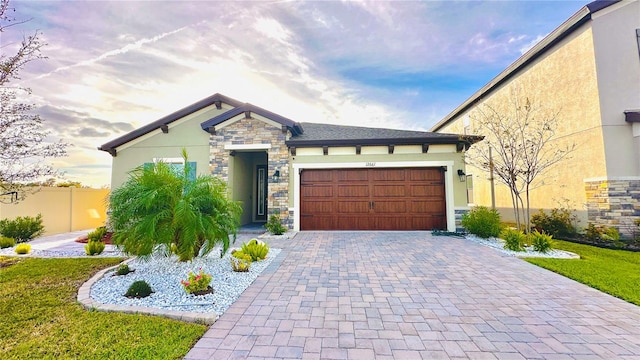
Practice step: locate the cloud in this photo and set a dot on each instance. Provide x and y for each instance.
(526, 47)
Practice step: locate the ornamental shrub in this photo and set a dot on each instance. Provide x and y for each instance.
(559, 223)
(513, 239)
(94, 248)
(239, 254)
(602, 232)
(6, 242)
(22, 228)
(482, 222)
(258, 250)
(123, 269)
(196, 282)
(23, 249)
(541, 242)
(97, 234)
(240, 265)
(274, 225)
(139, 289)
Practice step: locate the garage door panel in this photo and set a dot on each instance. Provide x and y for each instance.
(317, 191)
(353, 207)
(373, 199)
(427, 190)
(388, 174)
(353, 175)
(317, 207)
(389, 190)
(390, 207)
(353, 190)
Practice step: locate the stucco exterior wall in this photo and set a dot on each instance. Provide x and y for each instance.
(562, 80)
(63, 209)
(617, 61)
(184, 133)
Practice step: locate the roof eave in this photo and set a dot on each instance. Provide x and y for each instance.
(454, 139)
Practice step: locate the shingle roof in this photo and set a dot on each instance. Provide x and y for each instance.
(164, 121)
(293, 126)
(326, 134)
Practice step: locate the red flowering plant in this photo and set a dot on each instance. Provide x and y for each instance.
(196, 282)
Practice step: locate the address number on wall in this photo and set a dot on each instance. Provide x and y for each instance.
(370, 164)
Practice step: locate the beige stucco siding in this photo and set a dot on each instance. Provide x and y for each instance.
(184, 133)
(618, 71)
(563, 80)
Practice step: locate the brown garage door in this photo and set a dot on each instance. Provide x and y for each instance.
(372, 199)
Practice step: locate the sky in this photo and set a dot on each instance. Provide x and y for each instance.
(113, 66)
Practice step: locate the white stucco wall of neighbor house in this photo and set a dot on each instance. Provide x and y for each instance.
(618, 72)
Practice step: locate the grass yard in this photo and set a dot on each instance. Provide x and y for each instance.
(616, 272)
(40, 317)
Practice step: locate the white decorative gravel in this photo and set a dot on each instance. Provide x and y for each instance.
(498, 244)
(109, 251)
(163, 274)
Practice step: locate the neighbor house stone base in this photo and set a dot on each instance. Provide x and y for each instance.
(614, 203)
(458, 216)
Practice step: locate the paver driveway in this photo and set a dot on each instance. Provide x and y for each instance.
(409, 295)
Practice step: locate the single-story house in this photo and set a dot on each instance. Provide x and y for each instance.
(587, 69)
(316, 176)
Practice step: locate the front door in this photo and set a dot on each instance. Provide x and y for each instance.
(261, 193)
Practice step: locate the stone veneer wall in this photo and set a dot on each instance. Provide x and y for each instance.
(614, 203)
(458, 214)
(253, 131)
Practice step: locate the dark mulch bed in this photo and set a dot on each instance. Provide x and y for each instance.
(106, 239)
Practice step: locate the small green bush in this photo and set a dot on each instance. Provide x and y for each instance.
(6, 242)
(97, 234)
(513, 239)
(196, 283)
(559, 223)
(482, 222)
(541, 242)
(258, 250)
(274, 225)
(94, 248)
(22, 228)
(239, 254)
(23, 249)
(602, 232)
(240, 265)
(139, 289)
(123, 269)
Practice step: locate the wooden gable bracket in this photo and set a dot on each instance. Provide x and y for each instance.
(293, 151)
(247, 114)
(164, 128)
(425, 148)
(285, 129)
(218, 104)
(459, 147)
(212, 130)
(391, 147)
(358, 149)
(112, 152)
(325, 150)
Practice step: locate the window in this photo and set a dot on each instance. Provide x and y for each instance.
(469, 189)
(177, 164)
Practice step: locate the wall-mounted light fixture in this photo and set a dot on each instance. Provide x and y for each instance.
(276, 174)
(461, 175)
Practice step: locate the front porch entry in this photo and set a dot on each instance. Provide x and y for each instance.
(248, 181)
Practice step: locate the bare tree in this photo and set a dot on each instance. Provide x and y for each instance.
(24, 147)
(520, 134)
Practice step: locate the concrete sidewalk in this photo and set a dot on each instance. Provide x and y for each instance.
(409, 295)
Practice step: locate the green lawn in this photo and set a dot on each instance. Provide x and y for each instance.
(40, 318)
(616, 272)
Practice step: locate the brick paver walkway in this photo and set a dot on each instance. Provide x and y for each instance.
(408, 295)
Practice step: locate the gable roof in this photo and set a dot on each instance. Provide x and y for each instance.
(565, 29)
(162, 123)
(293, 126)
(332, 135)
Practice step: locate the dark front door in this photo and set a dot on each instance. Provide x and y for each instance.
(373, 199)
(261, 193)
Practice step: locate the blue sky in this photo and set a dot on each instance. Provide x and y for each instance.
(116, 65)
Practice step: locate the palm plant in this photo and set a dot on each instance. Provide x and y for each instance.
(160, 208)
